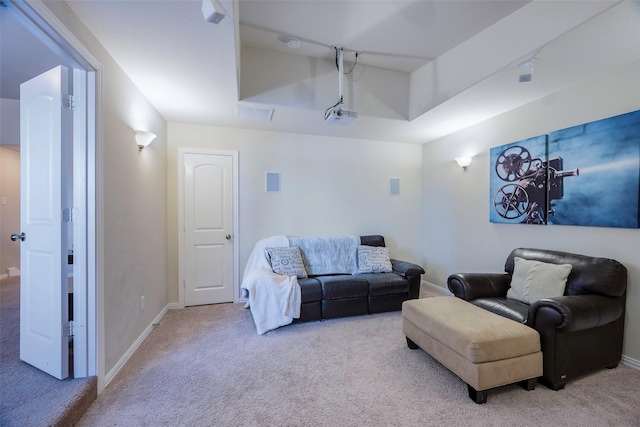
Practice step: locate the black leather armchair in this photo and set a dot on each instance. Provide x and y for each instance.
(581, 331)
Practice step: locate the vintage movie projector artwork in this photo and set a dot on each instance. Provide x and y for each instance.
(584, 175)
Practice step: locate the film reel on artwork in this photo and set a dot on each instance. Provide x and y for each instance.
(513, 163)
(511, 201)
(523, 197)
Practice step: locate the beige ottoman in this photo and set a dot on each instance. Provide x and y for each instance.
(484, 349)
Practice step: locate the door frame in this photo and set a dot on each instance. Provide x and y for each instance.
(87, 171)
(181, 223)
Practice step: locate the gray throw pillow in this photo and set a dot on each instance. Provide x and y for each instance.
(534, 280)
(374, 259)
(286, 261)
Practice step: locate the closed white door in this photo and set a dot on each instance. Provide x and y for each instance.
(44, 124)
(207, 258)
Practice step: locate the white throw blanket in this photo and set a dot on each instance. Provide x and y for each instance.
(328, 255)
(274, 299)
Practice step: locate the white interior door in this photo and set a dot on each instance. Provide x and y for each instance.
(208, 270)
(44, 124)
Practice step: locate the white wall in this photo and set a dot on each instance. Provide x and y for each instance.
(9, 121)
(330, 187)
(458, 236)
(10, 211)
(133, 207)
(9, 183)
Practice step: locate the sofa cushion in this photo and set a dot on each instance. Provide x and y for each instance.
(534, 280)
(374, 259)
(310, 290)
(343, 286)
(385, 283)
(287, 261)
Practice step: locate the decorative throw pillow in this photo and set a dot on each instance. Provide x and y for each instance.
(534, 280)
(373, 259)
(287, 261)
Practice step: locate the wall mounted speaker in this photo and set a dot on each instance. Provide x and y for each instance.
(272, 182)
(394, 186)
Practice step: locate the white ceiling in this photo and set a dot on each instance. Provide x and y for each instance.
(459, 59)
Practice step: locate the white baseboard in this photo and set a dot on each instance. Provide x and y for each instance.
(3, 276)
(630, 362)
(13, 271)
(118, 366)
(436, 288)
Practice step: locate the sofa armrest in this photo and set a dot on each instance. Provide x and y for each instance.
(576, 312)
(470, 286)
(406, 268)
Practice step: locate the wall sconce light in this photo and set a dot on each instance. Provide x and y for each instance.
(463, 162)
(144, 138)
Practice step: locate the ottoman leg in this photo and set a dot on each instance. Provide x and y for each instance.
(529, 384)
(411, 344)
(477, 396)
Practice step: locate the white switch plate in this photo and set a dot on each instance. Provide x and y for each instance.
(3, 201)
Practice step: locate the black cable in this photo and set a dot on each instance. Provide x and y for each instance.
(354, 64)
(326, 112)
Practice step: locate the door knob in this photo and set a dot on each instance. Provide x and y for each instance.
(228, 237)
(20, 236)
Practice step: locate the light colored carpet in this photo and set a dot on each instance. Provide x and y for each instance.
(206, 366)
(28, 396)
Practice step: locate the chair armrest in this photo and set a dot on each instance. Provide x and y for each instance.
(470, 286)
(576, 312)
(406, 268)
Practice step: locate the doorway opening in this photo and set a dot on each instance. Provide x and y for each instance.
(35, 22)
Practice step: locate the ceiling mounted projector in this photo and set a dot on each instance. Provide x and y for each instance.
(340, 115)
(212, 11)
(336, 113)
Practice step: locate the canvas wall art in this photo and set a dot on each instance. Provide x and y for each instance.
(518, 182)
(584, 175)
(605, 157)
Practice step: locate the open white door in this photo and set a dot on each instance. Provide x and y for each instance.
(44, 127)
(207, 255)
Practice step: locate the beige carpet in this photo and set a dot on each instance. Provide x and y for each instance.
(206, 366)
(28, 396)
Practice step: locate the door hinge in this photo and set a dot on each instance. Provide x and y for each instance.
(68, 215)
(69, 102)
(72, 327)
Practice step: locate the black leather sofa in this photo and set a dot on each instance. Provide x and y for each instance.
(341, 295)
(581, 331)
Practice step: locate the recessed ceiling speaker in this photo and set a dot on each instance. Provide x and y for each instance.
(212, 11)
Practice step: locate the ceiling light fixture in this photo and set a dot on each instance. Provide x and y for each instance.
(293, 43)
(212, 11)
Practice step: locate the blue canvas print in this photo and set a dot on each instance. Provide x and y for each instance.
(604, 159)
(517, 182)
